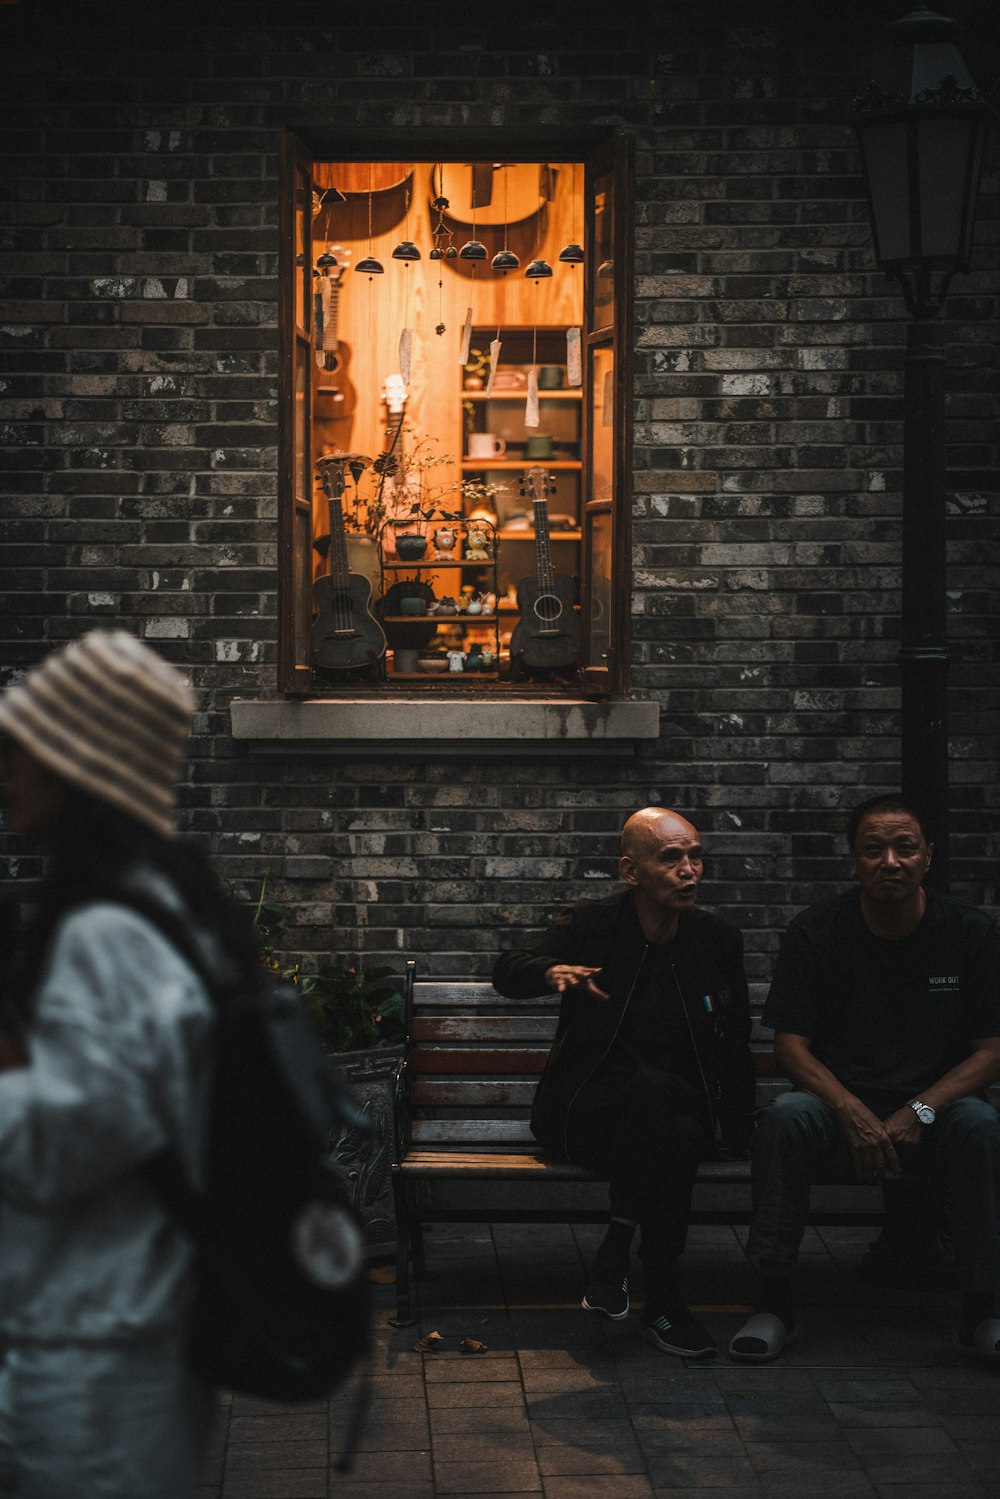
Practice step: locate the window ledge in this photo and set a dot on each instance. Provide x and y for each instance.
(405, 725)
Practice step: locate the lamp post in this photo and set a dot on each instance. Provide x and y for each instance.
(921, 126)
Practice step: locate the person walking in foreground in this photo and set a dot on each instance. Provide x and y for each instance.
(106, 1047)
(651, 1059)
(886, 1008)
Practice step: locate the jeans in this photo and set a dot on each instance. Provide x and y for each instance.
(799, 1142)
(648, 1137)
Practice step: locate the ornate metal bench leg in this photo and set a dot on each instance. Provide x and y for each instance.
(404, 1314)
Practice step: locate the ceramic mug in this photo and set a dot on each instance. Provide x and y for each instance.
(486, 445)
(538, 446)
(412, 605)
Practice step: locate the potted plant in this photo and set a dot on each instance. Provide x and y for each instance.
(359, 1013)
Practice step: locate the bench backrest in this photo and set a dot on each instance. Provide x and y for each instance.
(474, 1060)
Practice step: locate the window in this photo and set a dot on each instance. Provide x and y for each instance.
(455, 423)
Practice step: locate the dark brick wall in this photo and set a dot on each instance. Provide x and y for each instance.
(139, 334)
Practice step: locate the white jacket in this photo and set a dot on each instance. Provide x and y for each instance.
(119, 1066)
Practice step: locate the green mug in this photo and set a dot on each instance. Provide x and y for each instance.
(538, 446)
(550, 377)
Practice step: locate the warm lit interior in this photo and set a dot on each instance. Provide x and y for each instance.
(462, 444)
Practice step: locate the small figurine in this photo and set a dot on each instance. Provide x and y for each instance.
(475, 604)
(446, 605)
(477, 544)
(444, 543)
(456, 660)
(489, 603)
(474, 658)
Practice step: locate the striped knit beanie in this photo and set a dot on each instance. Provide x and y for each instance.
(107, 714)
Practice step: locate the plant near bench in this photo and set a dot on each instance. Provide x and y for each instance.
(354, 1009)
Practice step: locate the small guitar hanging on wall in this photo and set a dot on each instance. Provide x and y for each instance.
(332, 354)
(547, 635)
(345, 634)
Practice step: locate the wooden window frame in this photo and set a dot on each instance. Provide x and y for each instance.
(614, 156)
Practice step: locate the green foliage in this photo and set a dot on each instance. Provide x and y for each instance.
(353, 1008)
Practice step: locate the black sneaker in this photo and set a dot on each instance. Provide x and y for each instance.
(676, 1331)
(607, 1294)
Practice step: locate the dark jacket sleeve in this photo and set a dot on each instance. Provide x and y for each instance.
(520, 973)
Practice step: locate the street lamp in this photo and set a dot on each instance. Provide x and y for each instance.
(921, 126)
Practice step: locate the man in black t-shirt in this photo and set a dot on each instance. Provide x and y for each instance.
(650, 1059)
(886, 1009)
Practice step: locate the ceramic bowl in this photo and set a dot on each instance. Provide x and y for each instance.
(434, 666)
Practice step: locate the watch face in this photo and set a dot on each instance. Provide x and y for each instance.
(925, 1113)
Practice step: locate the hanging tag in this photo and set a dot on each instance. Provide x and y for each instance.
(608, 401)
(463, 353)
(405, 350)
(531, 404)
(495, 347)
(574, 365)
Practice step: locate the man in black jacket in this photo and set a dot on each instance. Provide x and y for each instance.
(650, 1061)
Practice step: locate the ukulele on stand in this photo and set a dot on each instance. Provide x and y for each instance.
(547, 635)
(345, 634)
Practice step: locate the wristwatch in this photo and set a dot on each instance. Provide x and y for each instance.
(923, 1111)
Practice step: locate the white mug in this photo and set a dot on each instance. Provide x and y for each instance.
(486, 445)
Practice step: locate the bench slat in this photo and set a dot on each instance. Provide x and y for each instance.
(491, 1059)
(484, 1028)
(468, 1131)
(492, 1093)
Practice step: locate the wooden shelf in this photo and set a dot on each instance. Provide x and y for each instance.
(516, 465)
(528, 534)
(559, 394)
(424, 566)
(456, 678)
(462, 617)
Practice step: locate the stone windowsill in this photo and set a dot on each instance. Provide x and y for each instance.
(401, 725)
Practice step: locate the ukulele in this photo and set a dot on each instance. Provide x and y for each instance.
(332, 355)
(345, 633)
(548, 631)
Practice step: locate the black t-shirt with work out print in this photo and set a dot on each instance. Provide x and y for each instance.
(888, 1018)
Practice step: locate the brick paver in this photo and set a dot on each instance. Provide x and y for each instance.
(874, 1400)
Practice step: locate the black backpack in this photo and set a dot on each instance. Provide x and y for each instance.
(283, 1306)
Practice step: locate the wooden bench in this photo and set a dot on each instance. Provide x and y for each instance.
(462, 1148)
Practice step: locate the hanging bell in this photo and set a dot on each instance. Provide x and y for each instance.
(436, 254)
(406, 250)
(505, 260)
(572, 255)
(370, 266)
(538, 268)
(326, 259)
(328, 195)
(451, 253)
(473, 249)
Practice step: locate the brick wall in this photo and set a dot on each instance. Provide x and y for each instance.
(139, 253)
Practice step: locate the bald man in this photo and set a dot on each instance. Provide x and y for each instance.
(650, 1068)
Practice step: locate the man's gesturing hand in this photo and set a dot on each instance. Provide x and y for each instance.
(569, 976)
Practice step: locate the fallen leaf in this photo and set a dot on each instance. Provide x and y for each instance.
(472, 1345)
(430, 1344)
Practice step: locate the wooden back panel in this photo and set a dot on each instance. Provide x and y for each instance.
(475, 1059)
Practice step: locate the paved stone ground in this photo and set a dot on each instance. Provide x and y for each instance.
(874, 1399)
